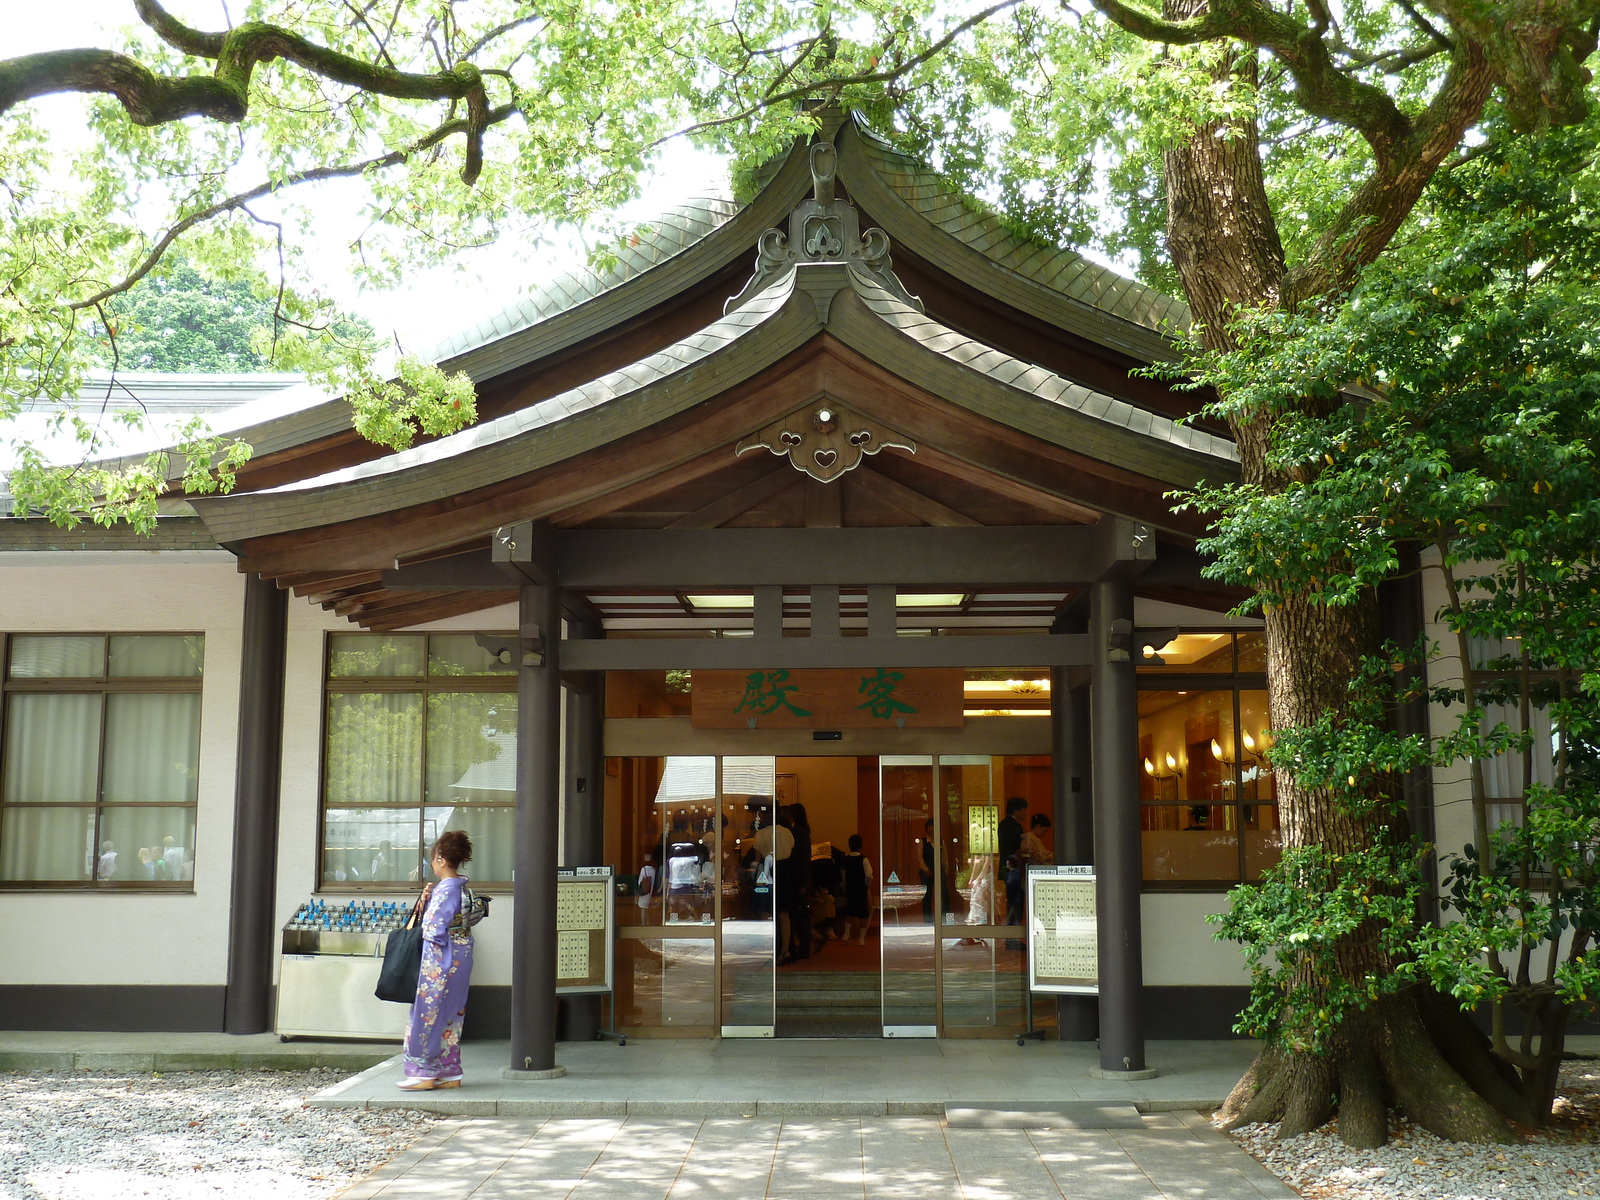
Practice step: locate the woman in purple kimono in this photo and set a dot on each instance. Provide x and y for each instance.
(433, 1038)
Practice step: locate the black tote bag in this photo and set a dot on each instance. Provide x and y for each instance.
(402, 961)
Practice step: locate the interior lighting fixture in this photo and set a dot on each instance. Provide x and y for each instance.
(930, 599)
(738, 633)
(1221, 755)
(722, 601)
(1169, 770)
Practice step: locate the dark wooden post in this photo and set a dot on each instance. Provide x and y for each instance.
(1076, 1018)
(1118, 864)
(533, 951)
(251, 927)
(585, 803)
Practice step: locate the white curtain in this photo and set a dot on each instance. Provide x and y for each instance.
(152, 749)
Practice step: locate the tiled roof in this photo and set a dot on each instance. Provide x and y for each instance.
(652, 244)
(1062, 270)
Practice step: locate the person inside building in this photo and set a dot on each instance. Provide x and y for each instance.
(433, 1034)
(857, 872)
(1199, 817)
(1010, 835)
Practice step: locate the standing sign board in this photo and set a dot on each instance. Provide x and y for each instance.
(1063, 941)
(585, 922)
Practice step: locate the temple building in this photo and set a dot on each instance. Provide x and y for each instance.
(837, 518)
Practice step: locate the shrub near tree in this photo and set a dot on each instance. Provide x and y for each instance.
(1469, 429)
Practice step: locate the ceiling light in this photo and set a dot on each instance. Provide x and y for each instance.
(930, 599)
(738, 633)
(722, 601)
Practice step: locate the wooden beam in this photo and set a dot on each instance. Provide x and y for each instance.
(908, 500)
(742, 654)
(454, 606)
(639, 491)
(824, 504)
(912, 557)
(742, 499)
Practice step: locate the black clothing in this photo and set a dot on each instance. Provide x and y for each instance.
(857, 902)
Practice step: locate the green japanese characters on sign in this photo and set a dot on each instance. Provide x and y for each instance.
(879, 691)
(768, 691)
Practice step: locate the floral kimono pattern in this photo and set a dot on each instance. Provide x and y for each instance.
(433, 1037)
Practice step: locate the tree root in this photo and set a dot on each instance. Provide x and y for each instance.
(1387, 1053)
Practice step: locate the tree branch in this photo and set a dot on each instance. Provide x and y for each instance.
(833, 86)
(152, 99)
(238, 201)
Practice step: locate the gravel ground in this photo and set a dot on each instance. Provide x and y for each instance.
(1562, 1160)
(247, 1135)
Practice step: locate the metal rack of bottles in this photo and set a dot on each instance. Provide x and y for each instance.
(330, 958)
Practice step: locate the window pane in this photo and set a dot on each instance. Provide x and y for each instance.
(374, 749)
(152, 749)
(146, 845)
(983, 984)
(1263, 840)
(493, 834)
(373, 656)
(1191, 842)
(1189, 653)
(34, 656)
(1255, 739)
(460, 654)
(379, 845)
(1252, 653)
(145, 656)
(472, 747)
(52, 749)
(46, 844)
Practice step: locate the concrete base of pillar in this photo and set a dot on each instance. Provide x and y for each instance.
(1124, 1076)
(521, 1076)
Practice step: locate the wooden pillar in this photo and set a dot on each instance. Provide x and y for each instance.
(533, 950)
(252, 928)
(1118, 864)
(584, 804)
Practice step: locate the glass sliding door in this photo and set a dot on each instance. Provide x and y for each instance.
(908, 878)
(747, 875)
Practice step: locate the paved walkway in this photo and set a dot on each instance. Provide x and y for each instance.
(1173, 1156)
(792, 1078)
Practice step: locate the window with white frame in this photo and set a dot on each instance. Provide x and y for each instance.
(99, 760)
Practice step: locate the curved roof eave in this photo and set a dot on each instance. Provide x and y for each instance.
(795, 308)
(923, 214)
(583, 418)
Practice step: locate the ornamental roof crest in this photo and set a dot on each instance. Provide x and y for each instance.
(823, 229)
(825, 440)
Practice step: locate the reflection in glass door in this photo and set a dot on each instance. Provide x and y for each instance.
(748, 860)
(907, 878)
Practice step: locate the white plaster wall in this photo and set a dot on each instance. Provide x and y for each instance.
(301, 786)
(121, 937)
(1452, 785)
(1179, 949)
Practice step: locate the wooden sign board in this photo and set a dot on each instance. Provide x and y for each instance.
(584, 930)
(1063, 932)
(858, 698)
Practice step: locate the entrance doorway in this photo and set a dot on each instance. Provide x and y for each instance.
(820, 896)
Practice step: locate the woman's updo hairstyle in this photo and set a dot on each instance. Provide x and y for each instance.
(455, 847)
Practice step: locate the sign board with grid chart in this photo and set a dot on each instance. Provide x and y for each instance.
(1063, 939)
(585, 921)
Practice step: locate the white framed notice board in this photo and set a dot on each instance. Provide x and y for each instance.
(585, 928)
(1063, 934)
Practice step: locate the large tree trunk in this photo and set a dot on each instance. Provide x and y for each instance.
(1224, 242)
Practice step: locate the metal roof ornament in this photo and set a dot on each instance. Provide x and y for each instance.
(825, 440)
(824, 229)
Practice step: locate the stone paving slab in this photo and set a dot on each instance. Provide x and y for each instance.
(791, 1079)
(53, 1050)
(1081, 1114)
(1169, 1157)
